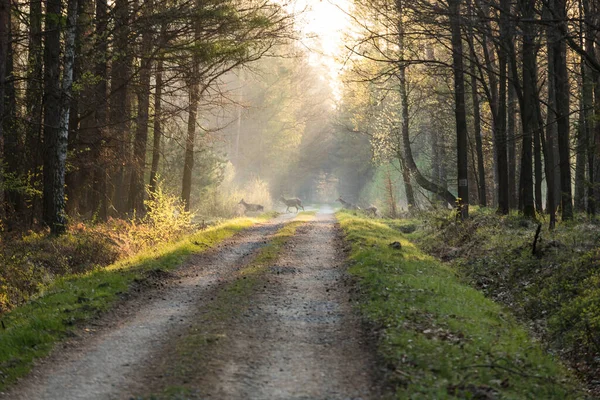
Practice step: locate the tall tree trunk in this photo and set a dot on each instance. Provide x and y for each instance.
(33, 103)
(188, 166)
(157, 129)
(551, 118)
(477, 132)
(83, 50)
(4, 43)
(65, 104)
(500, 107)
(537, 166)
(582, 131)
(136, 188)
(390, 191)
(100, 199)
(551, 115)
(592, 123)
(408, 187)
(53, 189)
(528, 116)
(548, 167)
(511, 139)
(493, 97)
(12, 128)
(581, 147)
(561, 80)
(460, 110)
(120, 103)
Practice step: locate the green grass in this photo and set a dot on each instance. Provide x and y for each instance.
(441, 338)
(193, 348)
(556, 291)
(31, 331)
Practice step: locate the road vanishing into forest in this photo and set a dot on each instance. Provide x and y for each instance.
(213, 330)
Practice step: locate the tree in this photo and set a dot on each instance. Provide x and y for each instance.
(135, 203)
(55, 147)
(459, 104)
(4, 43)
(528, 103)
(561, 86)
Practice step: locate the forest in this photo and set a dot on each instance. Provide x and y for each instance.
(467, 129)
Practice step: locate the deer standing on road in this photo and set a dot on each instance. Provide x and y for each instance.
(347, 205)
(251, 207)
(294, 202)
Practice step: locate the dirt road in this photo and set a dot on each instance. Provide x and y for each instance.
(286, 333)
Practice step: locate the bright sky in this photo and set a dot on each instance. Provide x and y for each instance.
(322, 26)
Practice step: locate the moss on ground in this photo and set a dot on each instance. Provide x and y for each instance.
(440, 337)
(555, 291)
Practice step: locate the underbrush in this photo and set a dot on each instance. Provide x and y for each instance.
(555, 290)
(440, 337)
(34, 259)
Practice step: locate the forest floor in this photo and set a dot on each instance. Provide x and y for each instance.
(265, 315)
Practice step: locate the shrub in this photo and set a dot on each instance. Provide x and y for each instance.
(166, 218)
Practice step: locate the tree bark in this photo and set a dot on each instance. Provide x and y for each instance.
(511, 139)
(188, 166)
(500, 107)
(528, 116)
(100, 201)
(548, 168)
(408, 187)
(157, 128)
(33, 104)
(391, 199)
(12, 128)
(590, 77)
(65, 108)
(537, 165)
(581, 146)
(136, 188)
(4, 43)
(561, 80)
(460, 110)
(120, 102)
(477, 132)
(53, 190)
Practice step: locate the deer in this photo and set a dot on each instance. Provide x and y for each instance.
(347, 205)
(293, 202)
(372, 210)
(251, 207)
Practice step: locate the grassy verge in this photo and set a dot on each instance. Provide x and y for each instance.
(440, 337)
(31, 330)
(555, 290)
(192, 350)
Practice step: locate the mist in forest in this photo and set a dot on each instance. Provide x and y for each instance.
(401, 105)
